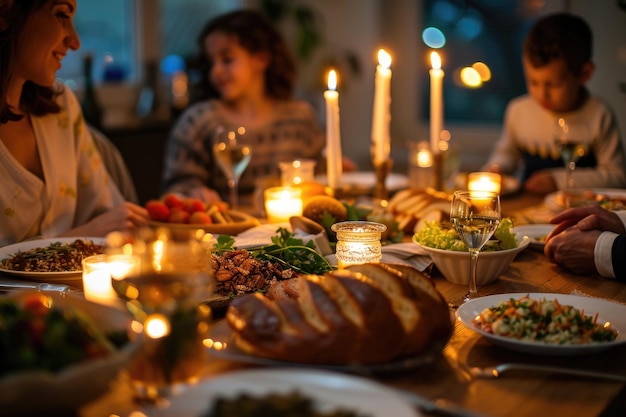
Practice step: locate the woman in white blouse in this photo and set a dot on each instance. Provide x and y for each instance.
(53, 180)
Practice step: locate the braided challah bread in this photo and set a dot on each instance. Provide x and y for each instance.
(363, 314)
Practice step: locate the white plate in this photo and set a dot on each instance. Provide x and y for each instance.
(607, 311)
(329, 391)
(367, 180)
(10, 250)
(536, 233)
(552, 200)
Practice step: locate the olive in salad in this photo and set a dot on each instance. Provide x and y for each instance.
(36, 335)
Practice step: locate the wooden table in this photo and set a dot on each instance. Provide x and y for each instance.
(520, 394)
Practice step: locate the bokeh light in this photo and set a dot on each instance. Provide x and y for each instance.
(433, 38)
(470, 77)
(483, 70)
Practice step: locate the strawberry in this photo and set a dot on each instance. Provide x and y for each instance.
(191, 205)
(200, 217)
(173, 201)
(158, 210)
(178, 215)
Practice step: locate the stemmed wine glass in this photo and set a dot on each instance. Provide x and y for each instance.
(475, 216)
(570, 140)
(232, 156)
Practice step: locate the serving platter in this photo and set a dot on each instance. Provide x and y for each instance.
(52, 277)
(329, 391)
(224, 347)
(366, 180)
(607, 311)
(241, 222)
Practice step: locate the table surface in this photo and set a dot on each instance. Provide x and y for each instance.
(519, 394)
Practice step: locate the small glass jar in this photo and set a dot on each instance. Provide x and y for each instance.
(358, 242)
(297, 172)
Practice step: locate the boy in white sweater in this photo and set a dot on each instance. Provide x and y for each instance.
(557, 65)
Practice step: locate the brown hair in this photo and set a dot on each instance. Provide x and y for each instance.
(256, 34)
(37, 100)
(559, 36)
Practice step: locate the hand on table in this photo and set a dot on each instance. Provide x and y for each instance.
(572, 242)
(123, 218)
(541, 183)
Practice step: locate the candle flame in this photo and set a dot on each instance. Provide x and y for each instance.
(332, 80)
(435, 60)
(384, 59)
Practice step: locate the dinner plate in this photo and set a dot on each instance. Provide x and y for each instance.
(329, 391)
(52, 277)
(554, 201)
(365, 180)
(224, 347)
(241, 222)
(536, 233)
(607, 311)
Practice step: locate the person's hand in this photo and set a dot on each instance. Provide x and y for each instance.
(587, 218)
(540, 183)
(205, 194)
(124, 218)
(573, 249)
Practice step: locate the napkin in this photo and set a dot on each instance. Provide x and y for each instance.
(262, 235)
(408, 254)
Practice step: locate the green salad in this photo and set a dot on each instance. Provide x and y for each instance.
(434, 235)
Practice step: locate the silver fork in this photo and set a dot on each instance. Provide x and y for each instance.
(498, 370)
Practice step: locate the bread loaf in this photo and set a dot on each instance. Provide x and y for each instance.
(364, 314)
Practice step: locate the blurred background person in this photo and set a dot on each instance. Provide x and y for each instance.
(53, 180)
(248, 80)
(557, 60)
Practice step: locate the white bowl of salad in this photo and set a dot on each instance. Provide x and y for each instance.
(450, 255)
(59, 351)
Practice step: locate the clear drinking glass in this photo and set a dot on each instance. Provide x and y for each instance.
(475, 215)
(166, 299)
(571, 139)
(232, 156)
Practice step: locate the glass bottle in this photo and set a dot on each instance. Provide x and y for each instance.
(92, 110)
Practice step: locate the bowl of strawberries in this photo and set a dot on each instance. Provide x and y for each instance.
(174, 211)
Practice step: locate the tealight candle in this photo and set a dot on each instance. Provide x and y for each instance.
(282, 202)
(358, 242)
(484, 181)
(99, 270)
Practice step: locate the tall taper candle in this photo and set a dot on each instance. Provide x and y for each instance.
(333, 135)
(381, 116)
(436, 101)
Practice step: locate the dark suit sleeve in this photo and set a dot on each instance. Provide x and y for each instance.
(618, 257)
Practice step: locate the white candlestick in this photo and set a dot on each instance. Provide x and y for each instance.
(436, 101)
(381, 116)
(333, 135)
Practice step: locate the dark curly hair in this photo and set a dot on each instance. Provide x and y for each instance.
(256, 34)
(36, 100)
(559, 36)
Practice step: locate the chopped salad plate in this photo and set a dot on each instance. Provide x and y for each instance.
(607, 311)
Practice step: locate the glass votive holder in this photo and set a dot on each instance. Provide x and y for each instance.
(100, 270)
(421, 165)
(484, 181)
(358, 242)
(297, 172)
(282, 202)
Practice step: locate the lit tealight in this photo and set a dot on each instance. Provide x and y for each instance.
(358, 242)
(484, 181)
(281, 203)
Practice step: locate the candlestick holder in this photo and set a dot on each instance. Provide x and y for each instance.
(438, 164)
(382, 170)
